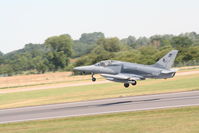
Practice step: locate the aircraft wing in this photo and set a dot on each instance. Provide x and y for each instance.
(122, 76)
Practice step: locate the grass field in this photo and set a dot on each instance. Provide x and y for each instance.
(98, 91)
(177, 120)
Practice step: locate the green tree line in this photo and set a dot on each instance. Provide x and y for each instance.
(62, 53)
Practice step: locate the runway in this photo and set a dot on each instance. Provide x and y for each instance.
(113, 105)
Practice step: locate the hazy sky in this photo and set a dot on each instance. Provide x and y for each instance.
(32, 21)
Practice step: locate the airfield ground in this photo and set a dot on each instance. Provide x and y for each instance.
(176, 120)
(37, 90)
(60, 87)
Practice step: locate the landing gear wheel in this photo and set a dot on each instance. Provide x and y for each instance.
(126, 85)
(93, 79)
(134, 82)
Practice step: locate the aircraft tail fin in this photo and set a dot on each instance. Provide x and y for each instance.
(167, 61)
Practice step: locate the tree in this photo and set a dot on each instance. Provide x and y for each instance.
(86, 43)
(40, 64)
(147, 54)
(181, 42)
(60, 43)
(6, 70)
(90, 38)
(80, 48)
(131, 41)
(129, 56)
(142, 41)
(191, 54)
(160, 41)
(110, 44)
(1, 54)
(1, 58)
(60, 51)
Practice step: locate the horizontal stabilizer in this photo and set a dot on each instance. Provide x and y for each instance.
(169, 71)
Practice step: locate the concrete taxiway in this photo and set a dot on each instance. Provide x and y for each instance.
(112, 105)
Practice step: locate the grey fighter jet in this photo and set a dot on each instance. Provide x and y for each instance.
(129, 73)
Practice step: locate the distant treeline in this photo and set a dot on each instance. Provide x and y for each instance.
(62, 53)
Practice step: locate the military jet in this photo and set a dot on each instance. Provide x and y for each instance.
(129, 73)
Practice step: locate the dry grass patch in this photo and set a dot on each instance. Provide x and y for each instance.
(39, 79)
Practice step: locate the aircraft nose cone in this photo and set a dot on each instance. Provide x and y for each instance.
(77, 68)
(83, 68)
(87, 69)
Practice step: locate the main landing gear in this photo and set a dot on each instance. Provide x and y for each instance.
(93, 78)
(133, 82)
(126, 85)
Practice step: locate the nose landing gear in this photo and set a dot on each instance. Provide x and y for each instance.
(93, 78)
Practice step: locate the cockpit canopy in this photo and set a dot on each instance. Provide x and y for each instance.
(105, 63)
